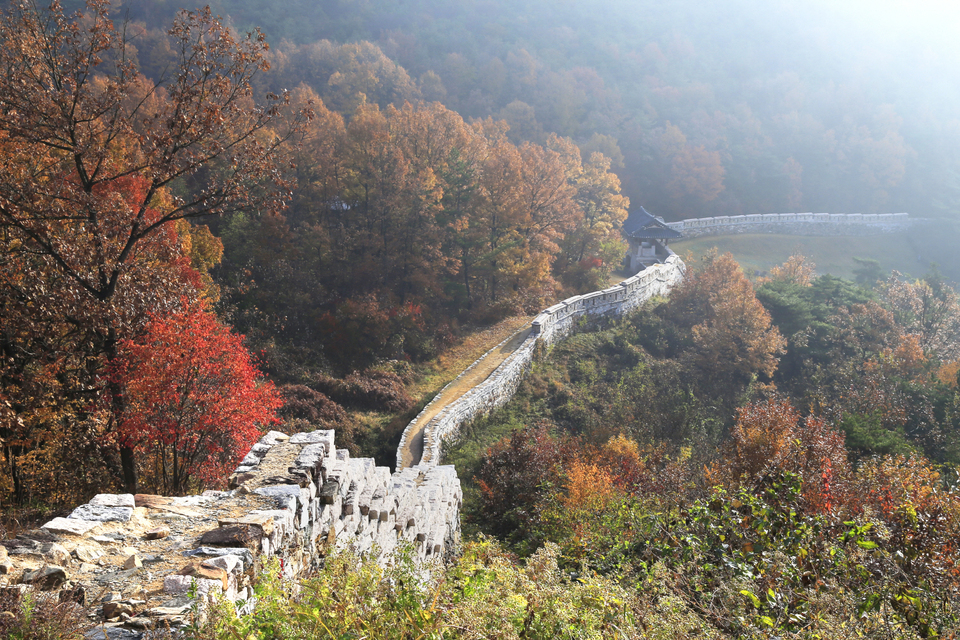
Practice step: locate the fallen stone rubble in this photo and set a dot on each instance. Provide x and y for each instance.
(136, 561)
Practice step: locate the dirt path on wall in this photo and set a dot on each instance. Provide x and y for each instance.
(459, 358)
(413, 449)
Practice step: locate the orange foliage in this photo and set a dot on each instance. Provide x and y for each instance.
(949, 373)
(771, 436)
(763, 437)
(796, 270)
(589, 487)
(897, 482)
(733, 333)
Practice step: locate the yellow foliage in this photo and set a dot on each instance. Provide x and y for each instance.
(623, 447)
(588, 486)
(796, 270)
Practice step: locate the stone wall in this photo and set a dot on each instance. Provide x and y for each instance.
(553, 324)
(133, 559)
(805, 224)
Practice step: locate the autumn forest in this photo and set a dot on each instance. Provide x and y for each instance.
(219, 221)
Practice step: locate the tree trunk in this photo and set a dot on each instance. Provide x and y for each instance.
(129, 466)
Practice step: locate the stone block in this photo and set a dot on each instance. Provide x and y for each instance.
(206, 571)
(263, 521)
(242, 535)
(329, 492)
(283, 492)
(177, 585)
(55, 553)
(157, 534)
(47, 577)
(213, 552)
(116, 609)
(324, 436)
(113, 500)
(101, 513)
(230, 563)
(72, 526)
(274, 437)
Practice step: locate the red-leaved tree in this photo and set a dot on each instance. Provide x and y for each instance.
(193, 399)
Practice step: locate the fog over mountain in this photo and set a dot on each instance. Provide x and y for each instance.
(705, 108)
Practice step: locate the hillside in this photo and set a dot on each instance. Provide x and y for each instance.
(210, 232)
(912, 253)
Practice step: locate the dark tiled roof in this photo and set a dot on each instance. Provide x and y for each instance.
(642, 224)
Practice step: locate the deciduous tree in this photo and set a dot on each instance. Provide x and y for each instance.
(97, 165)
(193, 401)
(732, 334)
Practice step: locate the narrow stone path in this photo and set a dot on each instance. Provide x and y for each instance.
(413, 449)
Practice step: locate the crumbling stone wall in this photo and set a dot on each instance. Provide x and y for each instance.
(134, 559)
(803, 224)
(553, 324)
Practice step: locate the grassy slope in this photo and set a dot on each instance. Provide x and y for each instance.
(912, 252)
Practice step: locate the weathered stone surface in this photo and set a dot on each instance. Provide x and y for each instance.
(229, 563)
(72, 526)
(240, 535)
(55, 553)
(113, 633)
(109, 538)
(116, 577)
(177, 584)
(240, 552)
(279, 490)
(262, 521)
(300, 479)
(46, 578)
(102, 514)
(132, 562)
(21, 546)
(113, 500)
(239, 478)
(274, 437)
(157, 534)
(140, 622)
(158, 612)
(206, 571)
(171, 505)
(313, 437)
(113, 610)
(329, 492)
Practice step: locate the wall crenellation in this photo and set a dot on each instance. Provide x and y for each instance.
(134, 559)
(551, 325)
(807, 224)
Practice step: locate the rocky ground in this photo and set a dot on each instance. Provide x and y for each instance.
(140, 562)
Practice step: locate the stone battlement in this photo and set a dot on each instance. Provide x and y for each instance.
(133, 559)
(805, 224)
(553, 323)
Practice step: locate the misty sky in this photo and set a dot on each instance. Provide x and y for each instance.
(915, 23)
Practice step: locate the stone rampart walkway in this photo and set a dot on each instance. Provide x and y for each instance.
(412, 449)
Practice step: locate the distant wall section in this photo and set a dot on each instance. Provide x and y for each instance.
(802, 224)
